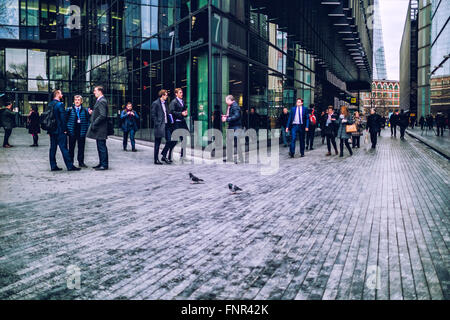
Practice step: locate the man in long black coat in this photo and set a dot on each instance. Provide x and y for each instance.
(163, 126)
(98, 129)
(373, 126)
(179, 111)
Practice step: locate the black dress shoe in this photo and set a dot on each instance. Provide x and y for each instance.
(97, 166)
(101, 169)
(56, 169)
(134, 150)
(291, 155)
(302, 156)
(82, 165)
(74, 169)
(166, 160)
(157, 162)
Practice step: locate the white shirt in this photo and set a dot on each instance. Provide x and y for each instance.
(180, 101)
(298, 115)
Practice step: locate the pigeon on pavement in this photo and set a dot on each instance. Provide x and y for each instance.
(233, 188)
(195, 180)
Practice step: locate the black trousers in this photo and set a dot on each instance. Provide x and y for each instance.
(402, 132)
(331, 140)
(102, 153)
(170, 145)
(356, 141)
(310, 137)
(157, 145)
(440, 131)
(73, 141)
(373, 138)
(35, 139)
(6, 137)
(347, 144)
(394, 130)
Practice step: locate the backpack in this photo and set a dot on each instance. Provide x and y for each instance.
(313, 119)
(47, 118)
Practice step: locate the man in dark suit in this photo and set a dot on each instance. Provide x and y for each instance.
(373, 126)
(77, 127)
(8, 120)
(393, 121)
(163, 126)
(179, 111)
(58, 136)
(234, 120)
(299, 123)
(98, 129)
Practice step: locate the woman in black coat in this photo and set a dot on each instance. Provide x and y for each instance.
(33, 125)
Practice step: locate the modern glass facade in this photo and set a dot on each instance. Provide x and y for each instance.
(210, 48)
(440, 57)
(423, 58)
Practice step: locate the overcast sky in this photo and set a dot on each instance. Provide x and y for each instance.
(393, 16)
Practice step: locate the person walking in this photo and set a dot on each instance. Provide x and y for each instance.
(129, 119)
(77, 127)
(161, 120)
(322, 122)
(298, 123)
(8, 120)
(253, 119)
(330, 130)
(343, 121)
(356, 136)
(373, 126)
(58, 136)
(393, 121)
(429, 121)
(310, 135)
(283, 119)
(440, 124)
(234, 120)
(421, 122)
(34, 125)
(98, 129)
(403, 122)
(179, 111)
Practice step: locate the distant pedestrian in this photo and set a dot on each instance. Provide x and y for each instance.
(298, 123)
(313, 122)
(356, 136)
(129, 119)
(77, 127)
(403, 122)
(421, 122)
(440, 124)
(330, 130)
(283, 120)
(254, 119)
(429, 121)
(98, 129)
(322, 121)
(234, 120)
(8, 120)
(373, 126)
(343, 121)
(33, 125)
(393, 122)
(58, 136)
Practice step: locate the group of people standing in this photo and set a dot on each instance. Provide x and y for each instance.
(302, 123)
(399, 119)
(440, 120)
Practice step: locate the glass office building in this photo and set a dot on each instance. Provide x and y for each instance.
(265, 54)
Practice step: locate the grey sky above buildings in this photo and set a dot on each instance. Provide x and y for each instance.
(393, 16)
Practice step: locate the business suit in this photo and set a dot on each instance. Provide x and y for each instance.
(373, 125)
(9, 122)
(300, 127)
(58, 136)
(98, 130)
(77, 127)
(163, 127)
(176, 108)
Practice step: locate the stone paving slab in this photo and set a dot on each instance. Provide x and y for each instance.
(440, 144)
(320, 228)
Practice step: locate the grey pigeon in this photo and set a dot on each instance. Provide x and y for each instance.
(233, 188)
(195, 179)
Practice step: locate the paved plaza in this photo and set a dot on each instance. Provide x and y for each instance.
(371, 226)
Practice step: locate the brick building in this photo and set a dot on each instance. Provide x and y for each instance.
(385, 96)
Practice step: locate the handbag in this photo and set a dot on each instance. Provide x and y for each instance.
(351, 128)
(366, 138)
